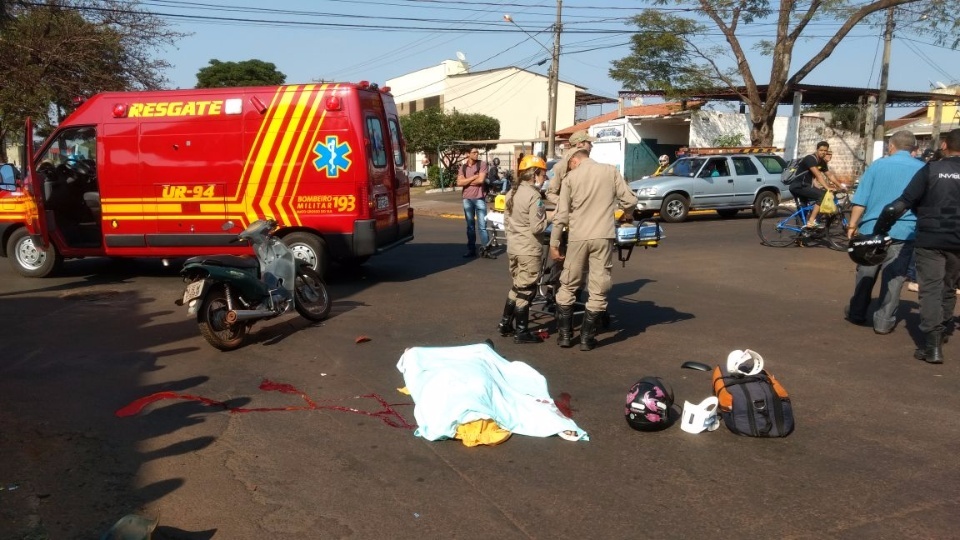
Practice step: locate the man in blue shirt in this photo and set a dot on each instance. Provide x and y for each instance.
(881, 183)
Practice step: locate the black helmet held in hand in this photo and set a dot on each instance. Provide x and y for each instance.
(869, 249)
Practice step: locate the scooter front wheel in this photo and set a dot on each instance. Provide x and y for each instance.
(312, 299)
(212, 320)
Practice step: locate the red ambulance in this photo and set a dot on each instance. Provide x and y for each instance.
(180, 172)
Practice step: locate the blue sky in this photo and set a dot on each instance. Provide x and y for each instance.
(349, 40)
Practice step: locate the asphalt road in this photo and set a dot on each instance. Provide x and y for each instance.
(873, 455)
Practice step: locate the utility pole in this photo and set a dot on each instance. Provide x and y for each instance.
(935, 133)
(878, 128)
(554, 83)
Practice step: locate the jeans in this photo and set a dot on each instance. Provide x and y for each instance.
(938, 274)
(475, 209)
(892, 272)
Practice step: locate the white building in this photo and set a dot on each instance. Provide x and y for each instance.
(633, 137)
(516, 97)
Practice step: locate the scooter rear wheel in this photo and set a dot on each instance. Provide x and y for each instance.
(212, 321)
(312, 299)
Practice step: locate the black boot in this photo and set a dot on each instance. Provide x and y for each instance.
(565, 326)
(932, 352)
(588, 330)
(604, 320)
(523, 334)
(506, 322)
(948, 327)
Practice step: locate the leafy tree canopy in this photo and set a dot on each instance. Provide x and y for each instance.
(246, 73)
(55, 51)
(432, 129)
(674, 49)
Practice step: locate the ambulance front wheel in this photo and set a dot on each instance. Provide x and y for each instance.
(29, 260)
(311, 249)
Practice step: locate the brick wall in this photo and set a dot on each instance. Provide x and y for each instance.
(847, 163)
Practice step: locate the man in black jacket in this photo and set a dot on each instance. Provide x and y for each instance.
(934, 196)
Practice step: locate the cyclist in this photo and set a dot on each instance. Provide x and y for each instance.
(811, 181)
(832, 182)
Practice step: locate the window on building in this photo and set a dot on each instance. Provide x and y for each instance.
(431, 102)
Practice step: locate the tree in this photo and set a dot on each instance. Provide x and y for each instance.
(53, 52)
(433, 129)
(729, 139)
(669, 51)
(246, 73)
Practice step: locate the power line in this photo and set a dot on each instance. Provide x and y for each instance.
(927, 59)
(442, 25)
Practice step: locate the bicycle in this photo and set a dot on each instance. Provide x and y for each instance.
(783, 225)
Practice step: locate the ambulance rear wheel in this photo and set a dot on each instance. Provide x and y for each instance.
(29, 260)
(311, 249)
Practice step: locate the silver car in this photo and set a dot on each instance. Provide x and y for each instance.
(725, 183)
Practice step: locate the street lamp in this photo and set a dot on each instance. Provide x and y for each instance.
(553, 79)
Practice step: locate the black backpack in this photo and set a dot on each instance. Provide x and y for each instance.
(789, 175)
(753, 405)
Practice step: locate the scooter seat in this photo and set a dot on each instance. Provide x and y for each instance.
(232, 261)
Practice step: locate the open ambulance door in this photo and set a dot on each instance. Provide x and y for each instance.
(33, 182)
(30, 250)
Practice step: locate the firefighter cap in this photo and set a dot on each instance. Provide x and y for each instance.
(580, 136)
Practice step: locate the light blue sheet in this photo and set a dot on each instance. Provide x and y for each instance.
(456, 385)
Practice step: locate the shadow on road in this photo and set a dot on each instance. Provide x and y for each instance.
(74, 464)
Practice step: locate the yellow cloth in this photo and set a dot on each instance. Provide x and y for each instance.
(482, 431)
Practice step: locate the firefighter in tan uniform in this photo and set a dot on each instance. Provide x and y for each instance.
(524, 221)
(588, 199)
(579, 140)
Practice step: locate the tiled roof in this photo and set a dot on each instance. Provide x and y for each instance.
(899, 122)
(658, 109)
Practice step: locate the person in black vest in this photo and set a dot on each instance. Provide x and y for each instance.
(934, 196)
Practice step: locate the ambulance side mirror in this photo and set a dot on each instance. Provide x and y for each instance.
(10, 178)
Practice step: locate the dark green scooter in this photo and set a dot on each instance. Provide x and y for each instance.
(228, 293)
